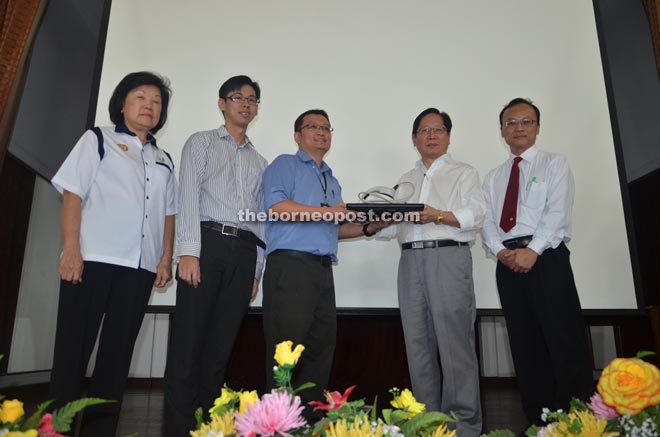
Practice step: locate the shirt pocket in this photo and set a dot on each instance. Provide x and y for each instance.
(536, 195)
(253, 185)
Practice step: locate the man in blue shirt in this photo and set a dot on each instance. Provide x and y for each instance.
(306, 207)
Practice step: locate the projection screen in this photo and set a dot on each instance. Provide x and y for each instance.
(374, 65)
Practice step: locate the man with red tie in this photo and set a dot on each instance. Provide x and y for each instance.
(528, 221)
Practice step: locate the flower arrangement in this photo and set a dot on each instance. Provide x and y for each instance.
(244, 413)
(279, 412)
(626, 403)
(13, 422)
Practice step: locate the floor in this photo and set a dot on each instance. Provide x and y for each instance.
(142, 410)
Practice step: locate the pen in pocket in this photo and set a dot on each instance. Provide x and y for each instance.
(531, 182)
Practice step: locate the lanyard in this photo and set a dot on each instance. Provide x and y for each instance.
(324, 187)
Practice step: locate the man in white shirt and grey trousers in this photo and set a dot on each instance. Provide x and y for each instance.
(435, 286)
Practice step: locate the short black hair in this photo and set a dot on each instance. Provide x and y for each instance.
(297, 125)
(446, 119)
(236, 83)
(518, 101)
(128, 84)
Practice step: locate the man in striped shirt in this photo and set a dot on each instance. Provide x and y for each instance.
(220, 256)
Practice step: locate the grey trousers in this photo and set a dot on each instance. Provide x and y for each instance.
(436, 298)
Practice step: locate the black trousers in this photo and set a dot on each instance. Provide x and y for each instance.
(121, 294)
(299, 305)
(205, 326)
(547, 333)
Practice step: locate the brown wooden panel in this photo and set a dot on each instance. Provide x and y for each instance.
(370, 353)
(18, 25)
(653, 11)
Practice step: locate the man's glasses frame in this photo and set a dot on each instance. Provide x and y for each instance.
(525, 122)
(237, 98)
(428, 130)
(316, 128)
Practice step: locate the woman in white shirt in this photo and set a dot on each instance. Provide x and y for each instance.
(120, 197)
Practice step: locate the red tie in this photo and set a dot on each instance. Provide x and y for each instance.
(510, 208)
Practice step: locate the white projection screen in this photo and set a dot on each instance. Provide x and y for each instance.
(374, 65)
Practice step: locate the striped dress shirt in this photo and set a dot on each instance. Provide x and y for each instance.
(218, 178)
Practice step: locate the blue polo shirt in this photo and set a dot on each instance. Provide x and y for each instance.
(298, 178)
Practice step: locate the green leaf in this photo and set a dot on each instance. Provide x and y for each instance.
(282, 376)
(399, 417)
(575, 427)
(199, 417)
(642, 354)
(424, 422)
(532, 431)
(499, 433)
(374, 410)
(63, 417)
(304, 386)
(387, 415)
(319, 427)
(577, 405)
(35, 420)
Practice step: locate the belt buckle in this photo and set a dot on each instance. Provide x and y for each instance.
(233, 232)
(417, 245)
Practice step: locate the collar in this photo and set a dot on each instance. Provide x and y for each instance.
(223, 132)
(122, 129)
(442, 160)
(528, 155)
(304, 157)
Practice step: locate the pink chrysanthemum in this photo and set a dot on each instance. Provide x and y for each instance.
(600, 408)
(274, 413)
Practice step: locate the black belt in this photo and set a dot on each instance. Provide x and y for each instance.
(325, 260)
(231, 231)
(518, 242)
(430, 244)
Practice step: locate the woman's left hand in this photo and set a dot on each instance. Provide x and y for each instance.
(163, 272)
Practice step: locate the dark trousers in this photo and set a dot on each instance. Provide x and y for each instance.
(121, 294)
(299, 305)
(205, 326)
(547, 333)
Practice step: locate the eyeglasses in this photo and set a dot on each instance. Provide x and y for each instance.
(525, 122)
(428, 130)
(237, 98)
(316, 128)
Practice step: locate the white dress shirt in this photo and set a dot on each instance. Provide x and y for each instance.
(545, 201)
(125, 197)
(218, 179)
(448, 185)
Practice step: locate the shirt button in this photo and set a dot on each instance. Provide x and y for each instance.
(147, 179)
(147, 197)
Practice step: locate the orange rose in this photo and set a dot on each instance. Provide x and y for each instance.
(630, 385)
